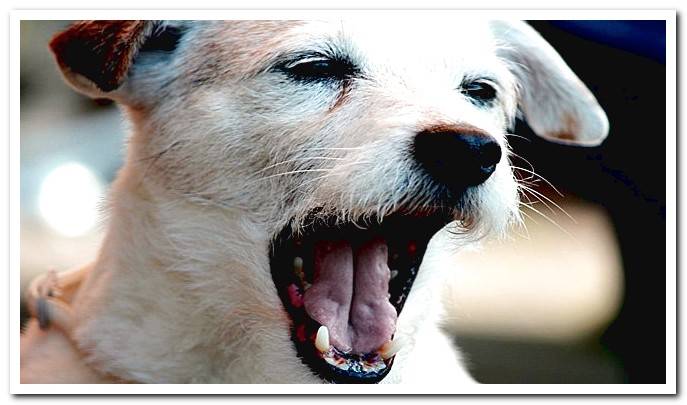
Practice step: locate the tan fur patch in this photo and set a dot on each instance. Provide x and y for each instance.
(570, 128)
(456, 128)
(238, 49)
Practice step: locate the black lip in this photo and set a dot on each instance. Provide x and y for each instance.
(399, 230)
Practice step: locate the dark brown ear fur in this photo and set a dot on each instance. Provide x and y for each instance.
(101, 51)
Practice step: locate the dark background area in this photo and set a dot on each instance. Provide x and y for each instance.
(623, 63)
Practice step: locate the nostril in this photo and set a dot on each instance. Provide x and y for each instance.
(455, 159)
(490, 155)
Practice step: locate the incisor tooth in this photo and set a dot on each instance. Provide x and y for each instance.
(322, 339)
(390, 348)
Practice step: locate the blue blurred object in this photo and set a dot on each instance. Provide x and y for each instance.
(646, 38)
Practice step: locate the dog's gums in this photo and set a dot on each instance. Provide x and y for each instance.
(344, 286)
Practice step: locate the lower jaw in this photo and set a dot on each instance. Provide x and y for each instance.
(335, 366)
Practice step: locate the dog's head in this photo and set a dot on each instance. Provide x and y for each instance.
(347, 145)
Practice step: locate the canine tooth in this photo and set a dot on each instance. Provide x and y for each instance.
(393, 275)
(322, 339)
(297, 262)
(298, 268)
(390, 348)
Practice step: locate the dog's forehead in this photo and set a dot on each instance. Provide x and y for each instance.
(405, 37)
(402, 42)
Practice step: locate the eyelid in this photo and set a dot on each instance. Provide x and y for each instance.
(297, 62)
(484, 80)
(489, 81)
(300, 59)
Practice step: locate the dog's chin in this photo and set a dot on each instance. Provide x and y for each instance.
(344, 285)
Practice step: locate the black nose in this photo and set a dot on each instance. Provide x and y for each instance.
(457, 159)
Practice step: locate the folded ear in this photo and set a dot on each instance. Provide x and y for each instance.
(555, 103)
(95, 56)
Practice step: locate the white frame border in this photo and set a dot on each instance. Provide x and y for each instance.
(671, 206)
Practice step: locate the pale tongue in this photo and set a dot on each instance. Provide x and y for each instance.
(350, 295)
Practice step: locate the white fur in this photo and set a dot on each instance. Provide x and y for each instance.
(181, 290)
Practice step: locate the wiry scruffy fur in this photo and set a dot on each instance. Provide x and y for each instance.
(225, 150)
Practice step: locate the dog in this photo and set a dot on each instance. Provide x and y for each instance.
(284, 180)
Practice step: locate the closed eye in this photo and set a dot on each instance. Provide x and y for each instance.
(319, 68)
(480, 90)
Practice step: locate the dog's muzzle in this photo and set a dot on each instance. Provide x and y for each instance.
(344, 282)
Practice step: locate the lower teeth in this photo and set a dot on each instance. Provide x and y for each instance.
(322, 339)
(390, 348)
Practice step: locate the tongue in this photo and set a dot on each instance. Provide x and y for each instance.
(350, 295)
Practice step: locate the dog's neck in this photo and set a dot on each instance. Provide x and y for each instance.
(176, 284)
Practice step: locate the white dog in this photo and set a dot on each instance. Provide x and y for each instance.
(282, 183)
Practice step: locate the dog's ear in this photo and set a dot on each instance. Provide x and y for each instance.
(554, 101)
(95, 56)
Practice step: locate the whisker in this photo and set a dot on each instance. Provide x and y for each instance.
(512, 153)
(551, 221)
(524, 190)
(518, 136)
(526, 214)
(326, 148)
(305, 159)
(525, 195)
(540, 177)
(305, 183)
(551, 201)
(286, 174)
(523, 225)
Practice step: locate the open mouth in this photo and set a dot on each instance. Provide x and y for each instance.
(344, 286)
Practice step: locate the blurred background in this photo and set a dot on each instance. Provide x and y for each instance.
(577, 296)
